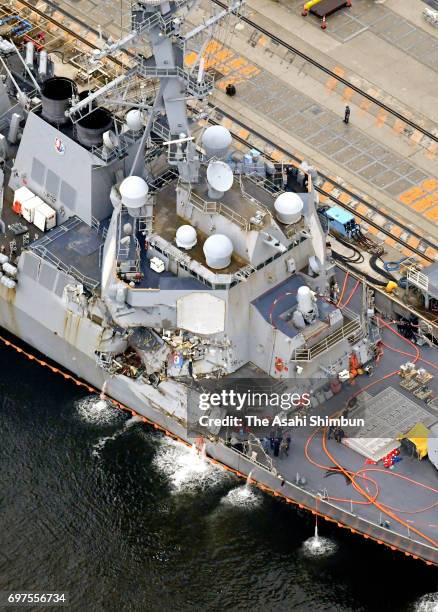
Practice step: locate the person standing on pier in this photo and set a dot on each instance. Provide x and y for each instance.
(347, 114)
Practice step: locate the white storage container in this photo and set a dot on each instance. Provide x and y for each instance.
(21, 195)
(9, 269)
(28, 208)
(45, 217)
(157, 265)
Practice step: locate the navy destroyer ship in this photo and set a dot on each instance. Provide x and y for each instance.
(147, 255)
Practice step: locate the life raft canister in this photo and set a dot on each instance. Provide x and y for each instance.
(280, 366)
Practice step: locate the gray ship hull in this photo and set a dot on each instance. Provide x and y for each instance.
(153, 405)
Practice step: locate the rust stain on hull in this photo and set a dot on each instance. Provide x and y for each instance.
(72, 323)
(8, 308)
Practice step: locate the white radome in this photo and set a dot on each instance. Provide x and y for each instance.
(218, 250)
(216, 140)
(304, 299)
(186, 237)
(288, 207)
(134, 191)
(134, 120)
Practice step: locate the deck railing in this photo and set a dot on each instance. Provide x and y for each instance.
(350, 329)
(212, 208)
(417, 278)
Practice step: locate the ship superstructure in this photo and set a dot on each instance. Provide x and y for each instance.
(157, 256)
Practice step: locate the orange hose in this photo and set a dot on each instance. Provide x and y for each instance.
(344, 286)
(353, 475)
(392, 348)
(350, 296)
(377, 504)
(371, 469)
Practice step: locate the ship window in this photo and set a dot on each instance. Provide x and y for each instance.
(38, 172)
(52, 183)
(68, 195)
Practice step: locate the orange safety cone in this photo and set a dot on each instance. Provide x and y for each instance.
(324, 23)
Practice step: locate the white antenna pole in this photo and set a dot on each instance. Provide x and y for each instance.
(201, 70)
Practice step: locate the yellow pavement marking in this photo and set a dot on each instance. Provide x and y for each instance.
(426, 202)
(432, 213)
(332, 82)
(344, 198)
(396, 231)
(430, 184)
(262, 41)
(398, 126)
(237, 63)
(362, 209)
(413, 241)
(213, 47)
(390, 242)
(219, 58)
(347, 93)
(243, 134)
(430, 252)
(412, 194)
(327, 186)
(277, 155)
(416, 137)
(249, 71)
(382, 115)
(365, 105)
(224, 69)
(190, 58)
(232, 80)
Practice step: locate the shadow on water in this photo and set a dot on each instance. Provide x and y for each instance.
(146, 524)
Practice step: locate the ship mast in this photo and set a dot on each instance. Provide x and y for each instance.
(157, 23)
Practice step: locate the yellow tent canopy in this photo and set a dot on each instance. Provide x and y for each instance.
(418, 436)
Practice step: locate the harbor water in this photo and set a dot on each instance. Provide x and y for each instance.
(103, 507)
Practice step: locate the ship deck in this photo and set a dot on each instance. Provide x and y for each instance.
(74, 247)
(405, 496)
(167, 221)
(277, 304)
(8, 238)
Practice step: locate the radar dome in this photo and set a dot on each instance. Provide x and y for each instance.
(134, 191)
(186, 237)
(304, 299)
(220, 178)
(288, 207)
(216, 140)
(218, 250)
(134, 120)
